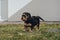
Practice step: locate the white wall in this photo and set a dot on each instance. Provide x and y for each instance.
(9, 7)
(50, 9)
(0, 9)
(47, 9)
(15, 5)
(4, 9)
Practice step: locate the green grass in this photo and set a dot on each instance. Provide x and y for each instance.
(15, 32)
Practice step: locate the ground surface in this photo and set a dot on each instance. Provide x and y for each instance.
(15, 32)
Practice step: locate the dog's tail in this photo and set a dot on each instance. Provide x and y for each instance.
(41, 18)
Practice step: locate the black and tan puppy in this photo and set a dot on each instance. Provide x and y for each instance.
(31, 21)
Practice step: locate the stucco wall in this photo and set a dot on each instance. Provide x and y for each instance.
(4, 9)
(15, 5)
(47, 9)
(0, 8)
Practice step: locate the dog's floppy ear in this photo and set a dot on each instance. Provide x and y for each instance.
(27, 14)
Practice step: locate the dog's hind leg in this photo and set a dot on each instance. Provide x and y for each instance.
(38, 25)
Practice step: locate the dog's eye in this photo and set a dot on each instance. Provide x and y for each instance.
(23, 16)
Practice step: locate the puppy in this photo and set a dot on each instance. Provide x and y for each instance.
(31, 21)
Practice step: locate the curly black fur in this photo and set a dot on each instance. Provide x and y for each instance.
(33, 20)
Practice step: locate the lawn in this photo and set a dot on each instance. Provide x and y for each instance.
(15, 32)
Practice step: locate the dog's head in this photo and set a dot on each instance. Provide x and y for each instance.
(25, 16)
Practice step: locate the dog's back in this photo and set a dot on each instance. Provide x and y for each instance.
(37, 18)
